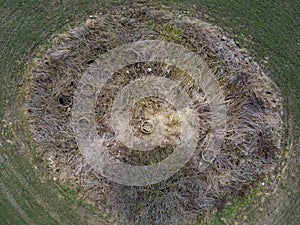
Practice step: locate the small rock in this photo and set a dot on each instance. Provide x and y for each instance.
(58, 54)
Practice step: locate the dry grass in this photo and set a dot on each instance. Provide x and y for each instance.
(253, 144)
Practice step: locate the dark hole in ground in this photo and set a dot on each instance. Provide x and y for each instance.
(65, 100)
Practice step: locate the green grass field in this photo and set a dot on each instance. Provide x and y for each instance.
(270, 29)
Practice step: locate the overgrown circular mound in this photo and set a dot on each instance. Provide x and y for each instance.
(253, 144)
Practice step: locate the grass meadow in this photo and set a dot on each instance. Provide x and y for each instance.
(269, 29)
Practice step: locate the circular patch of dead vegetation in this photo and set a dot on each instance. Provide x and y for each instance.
(253, 144)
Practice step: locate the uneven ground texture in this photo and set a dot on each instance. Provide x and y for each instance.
(269, 29)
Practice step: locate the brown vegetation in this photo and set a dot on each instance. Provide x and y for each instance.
(252, 148)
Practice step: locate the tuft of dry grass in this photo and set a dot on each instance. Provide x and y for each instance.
(253, 144)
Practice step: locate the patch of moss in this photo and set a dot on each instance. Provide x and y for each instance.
(167, 32)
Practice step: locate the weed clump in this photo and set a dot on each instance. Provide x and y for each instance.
(253, 144)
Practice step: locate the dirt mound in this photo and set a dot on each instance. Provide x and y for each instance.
(253, 143)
